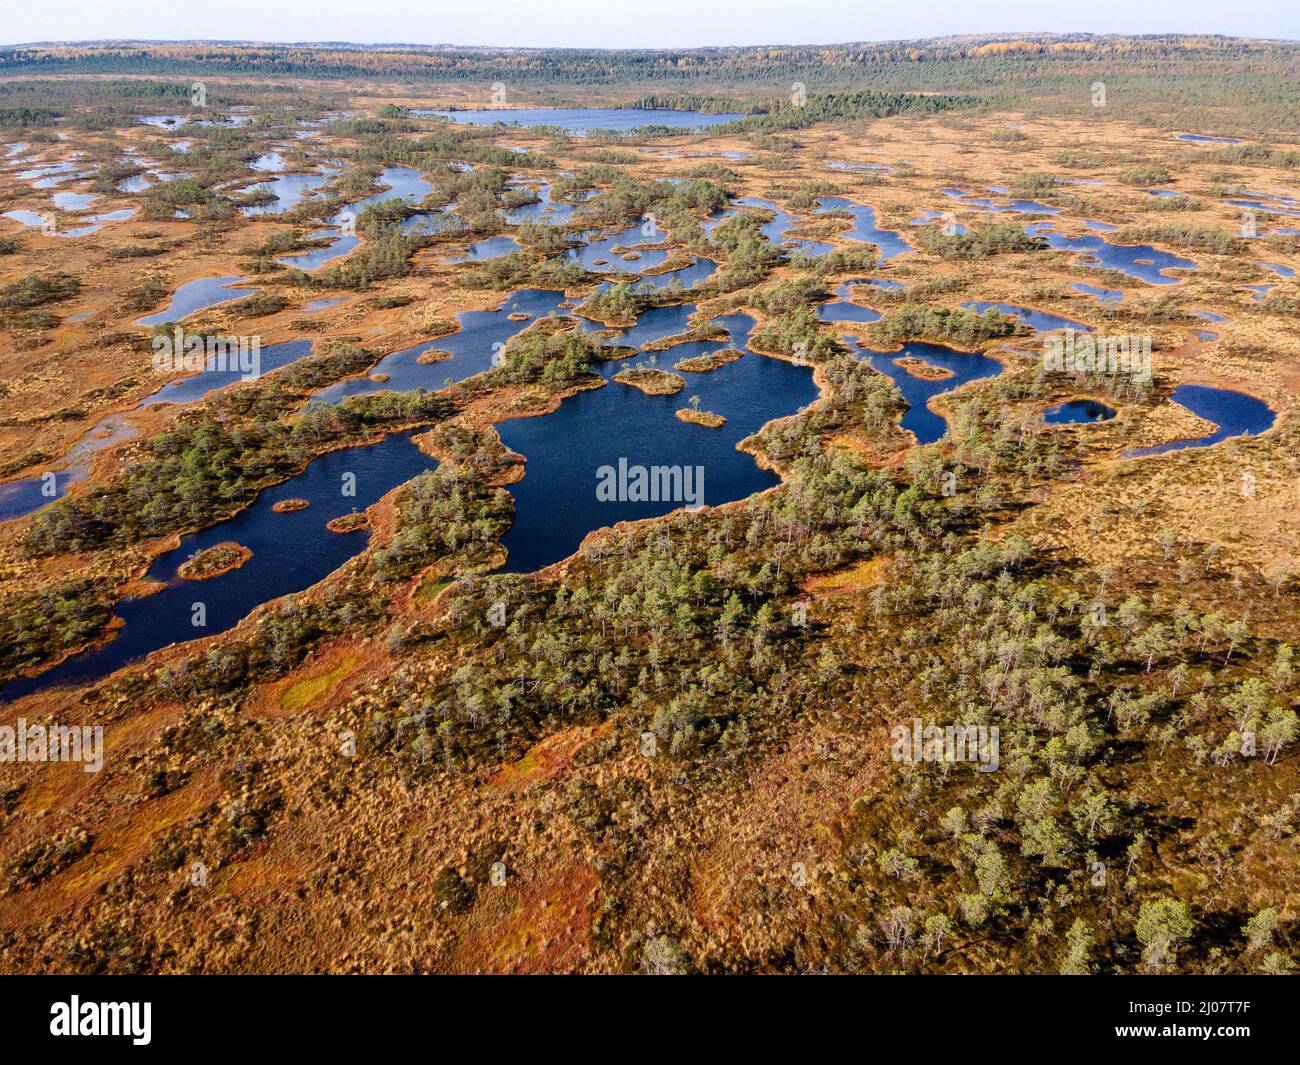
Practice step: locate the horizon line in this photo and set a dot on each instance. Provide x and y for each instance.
(994, 34)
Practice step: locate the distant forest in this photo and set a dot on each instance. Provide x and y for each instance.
(1147, 78)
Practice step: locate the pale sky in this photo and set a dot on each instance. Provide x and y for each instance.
(620, 24)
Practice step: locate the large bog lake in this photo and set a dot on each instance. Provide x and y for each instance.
(617, 426)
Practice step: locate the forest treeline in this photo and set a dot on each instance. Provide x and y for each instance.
(605, 66)
(947, 63)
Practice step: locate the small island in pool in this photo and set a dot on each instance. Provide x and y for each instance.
(922, 369)
(652, 382)
(711, 361)
(214, 561)
(705, 418)
(347, 523)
